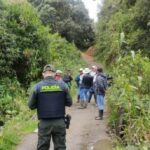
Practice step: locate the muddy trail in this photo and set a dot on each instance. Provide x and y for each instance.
(85, 133)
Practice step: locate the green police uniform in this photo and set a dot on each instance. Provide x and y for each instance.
(50, 98)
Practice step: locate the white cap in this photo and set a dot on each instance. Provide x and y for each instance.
(86, 70)
(81, 69)
(94, 67)
(58, 71)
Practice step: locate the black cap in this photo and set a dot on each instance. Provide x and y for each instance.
(49, 67)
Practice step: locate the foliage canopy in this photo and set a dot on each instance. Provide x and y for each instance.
(69, 18)
(123, 26)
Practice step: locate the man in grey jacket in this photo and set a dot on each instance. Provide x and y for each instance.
(100, 89)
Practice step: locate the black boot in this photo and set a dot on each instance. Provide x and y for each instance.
(78, 98)
(90, 96)
(101, 112)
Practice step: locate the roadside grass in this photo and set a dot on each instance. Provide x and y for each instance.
(17, 126)
(14, 129)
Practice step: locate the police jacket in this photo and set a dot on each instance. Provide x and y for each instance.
(50, 97)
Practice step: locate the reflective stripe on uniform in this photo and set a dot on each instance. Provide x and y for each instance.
(50, 88)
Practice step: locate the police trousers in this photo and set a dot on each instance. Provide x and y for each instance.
(51, 128)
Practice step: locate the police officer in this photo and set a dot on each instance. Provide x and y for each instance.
(50, 98)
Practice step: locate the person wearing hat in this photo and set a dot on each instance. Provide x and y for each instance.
(86, 84)
(50, 97)
(58, 75)
(93, 73)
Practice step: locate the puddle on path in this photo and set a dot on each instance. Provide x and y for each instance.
(104, 144)
(83, 147)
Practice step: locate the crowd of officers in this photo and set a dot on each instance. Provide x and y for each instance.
(50, 96)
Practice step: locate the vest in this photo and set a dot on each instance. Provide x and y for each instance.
(50, 101)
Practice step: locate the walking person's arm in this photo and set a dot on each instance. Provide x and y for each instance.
(65, 88)
(68, 98)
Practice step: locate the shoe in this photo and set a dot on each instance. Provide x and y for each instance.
(81, 107)
(97, 118)
(85, 104)
(101, 112)
(35, 131)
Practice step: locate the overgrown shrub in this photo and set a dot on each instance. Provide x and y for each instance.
(24, 42)
(63, 54)
(130, 17)
(131, 91)
(10, 96)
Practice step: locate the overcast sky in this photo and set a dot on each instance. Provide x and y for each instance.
(92, 6)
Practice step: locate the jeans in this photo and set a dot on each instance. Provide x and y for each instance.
(78, 91)
(91, 92)
(100, 102)
(84, 94)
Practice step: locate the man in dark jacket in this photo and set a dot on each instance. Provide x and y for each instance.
(86, 84)
(68, 78)
(50, 97)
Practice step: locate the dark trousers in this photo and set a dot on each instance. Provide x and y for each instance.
(90, 96)
(54, 128)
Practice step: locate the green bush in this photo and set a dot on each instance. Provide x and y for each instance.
(127, 17)
(10, 92)
(131, 91)
(24, 42)
(26, 46)
(63, 54)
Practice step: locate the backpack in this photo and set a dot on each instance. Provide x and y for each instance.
(101, 83)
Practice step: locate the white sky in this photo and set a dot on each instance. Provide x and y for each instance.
(92, 6)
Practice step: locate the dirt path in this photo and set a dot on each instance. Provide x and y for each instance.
(88, 59)
(85, 132)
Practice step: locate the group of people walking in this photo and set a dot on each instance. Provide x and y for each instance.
(91, 82)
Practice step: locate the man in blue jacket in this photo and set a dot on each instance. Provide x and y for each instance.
(50, 97)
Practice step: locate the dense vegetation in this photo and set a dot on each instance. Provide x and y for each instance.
(31, 36)
(129, 101)
(123, 26)
(69, 18)
(123, 29)
(26, 45)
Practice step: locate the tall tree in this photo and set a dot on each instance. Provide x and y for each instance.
(24, 42)
(69, 18)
